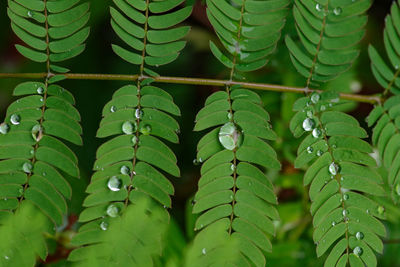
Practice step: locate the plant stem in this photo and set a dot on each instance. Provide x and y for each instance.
(371, 99)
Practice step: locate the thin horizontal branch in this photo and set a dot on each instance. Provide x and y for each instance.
(371, 99)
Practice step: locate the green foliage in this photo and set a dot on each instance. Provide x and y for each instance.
(125, 220)
(249, 31)
(329, 32)
(123, 241)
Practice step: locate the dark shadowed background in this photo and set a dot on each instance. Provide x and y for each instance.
(293, 243)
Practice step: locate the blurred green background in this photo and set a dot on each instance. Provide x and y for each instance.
(293, 244)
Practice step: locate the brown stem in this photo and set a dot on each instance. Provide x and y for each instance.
(370, 99)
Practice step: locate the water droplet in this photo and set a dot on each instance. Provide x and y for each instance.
(128, 127)
(138, 113)
(357, 251)
(30, 14)
(15, 119)
(103, 226)
(37, 132)
(337, 11)
(134, 140)
(27, 167)
(112, 210)
(319, 153)
(315, 97)
(308, 125)
(4, 128)
(381, 210)
(333, 223)
(114, 184)
(32, 152)
(310, 150)
(367, 211)
(203, 251)
(345, 196)
(6, 257)
(319, 7)
(345, 213)
(200, 160)
(334, 168)
(44, 174)
(230, 136)
(233, 167)
(397, 187)
(359, 235)
(317, 133)
(196, 162)
(113, 109)
(125, 170)
(310, 113)
(41, 99)
(230, 116)
(322, 108)
(145, 129)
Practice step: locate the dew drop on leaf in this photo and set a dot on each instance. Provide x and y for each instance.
(203, 251)
(359, 235)
(357, 251)
(27, 167)
(138, 113)
(134, 140)
(4, 128)
(114, 184)
(337, 11)
(113, 109)
(334, 168)
(128, 127)
(15, 119)
(37, 132)
(317, 133)
(233, 167)
(103, 226)
(145, 129)
(40, 90)
(333, 223)
(310, 150)
(345, 213)
(322, 108)
(112, 210)
(230, 136)
(310, 114)
(6, 257)
(30, 14)
(308, 125)
(229, 116)
(315, 97)
(319, 153)
(319, 7)
(345, 196)
(125, 170)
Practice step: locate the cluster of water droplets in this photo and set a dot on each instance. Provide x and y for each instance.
(337, 11)
(230, 136)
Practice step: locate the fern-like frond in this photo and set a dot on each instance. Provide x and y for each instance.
(148, 27)
(329, 32)
(53, 31)
(386, 136)
(249, 30)
(341, 176)
(133, 163)
(21, 242)
(132, 239)
(232, 187)
(388, 76)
